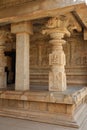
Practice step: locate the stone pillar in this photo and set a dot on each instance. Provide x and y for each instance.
(57, 76)
(23, 31)
(57, 61)
(3, 35)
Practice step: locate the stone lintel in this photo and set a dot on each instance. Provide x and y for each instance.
(22, 27)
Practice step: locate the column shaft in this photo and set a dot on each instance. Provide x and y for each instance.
(57, 61)
(22, 61)
(22, 31)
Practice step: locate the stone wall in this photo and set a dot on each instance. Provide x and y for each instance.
(76, 55)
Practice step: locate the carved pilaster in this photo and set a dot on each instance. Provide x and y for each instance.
(56, 28)
(3, 35)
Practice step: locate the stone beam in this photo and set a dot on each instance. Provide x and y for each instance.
(22, 31)
(38, 9)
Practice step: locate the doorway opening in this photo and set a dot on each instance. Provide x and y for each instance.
(10, 67)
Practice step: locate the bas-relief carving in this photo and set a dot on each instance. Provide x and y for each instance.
(45, 55)
(57, 58)
(55, 79)
(39, 54)
(78, 51)
(34, 55)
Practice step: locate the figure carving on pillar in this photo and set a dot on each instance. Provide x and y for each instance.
(57, 28)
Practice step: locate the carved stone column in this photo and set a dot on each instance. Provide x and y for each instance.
(23, 31)
(57, 60)
(3, 35)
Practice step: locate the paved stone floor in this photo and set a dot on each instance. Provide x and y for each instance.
(18, 124)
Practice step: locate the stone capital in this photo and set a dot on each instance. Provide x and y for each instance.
(22, 27)
(56, 25)
(62, 24)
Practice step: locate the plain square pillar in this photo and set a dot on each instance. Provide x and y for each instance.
(23, 31)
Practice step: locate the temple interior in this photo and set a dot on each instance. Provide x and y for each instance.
(43, 61)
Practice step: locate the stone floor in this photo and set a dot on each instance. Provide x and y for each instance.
(18, 124)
